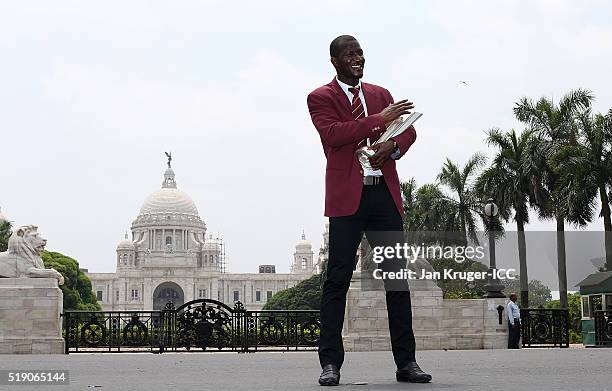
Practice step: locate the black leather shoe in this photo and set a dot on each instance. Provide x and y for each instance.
(412, 373)
(330, 375)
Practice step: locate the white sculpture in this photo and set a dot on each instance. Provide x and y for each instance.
(23, 256)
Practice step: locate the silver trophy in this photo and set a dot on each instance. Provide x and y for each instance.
(395, 128)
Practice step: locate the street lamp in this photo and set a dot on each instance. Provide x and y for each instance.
(493, 287)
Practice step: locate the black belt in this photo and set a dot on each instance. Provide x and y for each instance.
(373, 180)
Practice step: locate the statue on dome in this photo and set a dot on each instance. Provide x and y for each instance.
(169, 155)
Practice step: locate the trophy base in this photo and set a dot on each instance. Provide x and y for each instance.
(363, 155)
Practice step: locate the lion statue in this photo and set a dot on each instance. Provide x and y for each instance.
(23, 256)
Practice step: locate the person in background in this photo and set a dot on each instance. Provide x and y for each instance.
(514, 322)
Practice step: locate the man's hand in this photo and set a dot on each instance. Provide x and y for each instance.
(395, 110)
(383, 151)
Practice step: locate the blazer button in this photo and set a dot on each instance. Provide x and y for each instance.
(361, 172)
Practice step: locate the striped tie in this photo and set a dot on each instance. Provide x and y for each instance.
(356, 106)
(357, 109)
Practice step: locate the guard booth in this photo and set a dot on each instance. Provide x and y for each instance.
(596, 307)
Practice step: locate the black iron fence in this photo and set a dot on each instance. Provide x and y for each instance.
(199, 325)
(603, 328)
(542, 327)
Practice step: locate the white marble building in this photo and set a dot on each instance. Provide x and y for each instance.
(170, 257)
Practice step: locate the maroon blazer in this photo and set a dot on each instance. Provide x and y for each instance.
(340, 134)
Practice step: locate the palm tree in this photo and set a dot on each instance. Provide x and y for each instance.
(587, 171)
(426, 213)
(408, 190)
(555, 126)
(506, 182)
(464, 206)
(425, 207)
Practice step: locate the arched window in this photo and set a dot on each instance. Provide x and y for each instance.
(168, 239)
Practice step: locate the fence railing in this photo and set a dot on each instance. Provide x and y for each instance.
(603, 327)
(544, 327)
(199, 325)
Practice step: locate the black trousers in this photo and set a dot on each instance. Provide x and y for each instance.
(377, 212)
(514, 334)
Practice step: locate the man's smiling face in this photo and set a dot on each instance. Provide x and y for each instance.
(349, 63)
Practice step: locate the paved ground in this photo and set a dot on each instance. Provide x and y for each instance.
(527, 369)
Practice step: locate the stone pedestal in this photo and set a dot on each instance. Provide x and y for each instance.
(495, 334)
(366, 326)
(30, 321)
(437, 323)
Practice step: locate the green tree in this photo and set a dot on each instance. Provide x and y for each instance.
(539, 294)
(324, 256)
(425, 207)
(77, 291)
(304, 296)
(586, 169)
(5, 233)
(556, 126)
(575, 316)
(506, 182)
(464, 206)
(460, 288)
(430, 218)
(428, 215)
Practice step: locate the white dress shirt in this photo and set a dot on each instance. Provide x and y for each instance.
(513, 311)
(345, 87)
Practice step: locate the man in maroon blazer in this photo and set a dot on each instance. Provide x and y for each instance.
(349, 114)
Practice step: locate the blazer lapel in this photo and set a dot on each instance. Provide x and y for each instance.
(340, 95)
(372, 103)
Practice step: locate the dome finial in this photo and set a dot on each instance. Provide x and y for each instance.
(169, 181)
(126, 235)
(303, 235)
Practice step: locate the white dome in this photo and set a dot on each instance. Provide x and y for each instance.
(125, 244)
(303, 244)
(169, 206)
(169, 200)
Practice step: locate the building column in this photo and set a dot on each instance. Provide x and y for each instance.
(147, 295)
(214, 289)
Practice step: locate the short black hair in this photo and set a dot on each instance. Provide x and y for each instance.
(335, 47)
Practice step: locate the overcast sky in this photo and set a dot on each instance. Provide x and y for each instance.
(93, 93)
